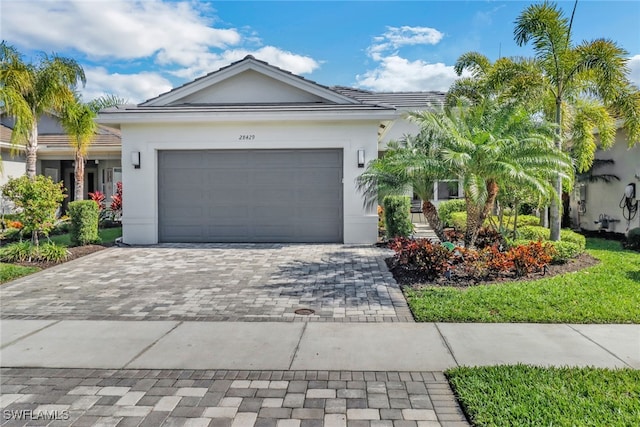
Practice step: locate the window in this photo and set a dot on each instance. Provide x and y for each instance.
(447, 190)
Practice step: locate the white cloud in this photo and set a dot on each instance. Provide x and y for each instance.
(397, 74)
(120, 29)
(297, 64)
(133, 87)
(178, 38)
(634, 69)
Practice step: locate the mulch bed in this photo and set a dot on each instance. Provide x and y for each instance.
(411, 278)
(75, 252)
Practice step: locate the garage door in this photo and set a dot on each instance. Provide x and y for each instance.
(250, 196)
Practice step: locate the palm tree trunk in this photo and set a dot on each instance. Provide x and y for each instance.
(480, 214)
(79, 176)
(473, 216)
(32, 150)
(554, 211)
(431, 214)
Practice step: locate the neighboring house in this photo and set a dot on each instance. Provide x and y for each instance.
(593, 202)
(404, 103)
(251, 153)
(55, 157)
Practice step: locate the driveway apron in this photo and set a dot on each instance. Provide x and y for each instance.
(214, 282)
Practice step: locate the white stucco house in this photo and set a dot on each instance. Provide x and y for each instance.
(253, 153)
(593, 202)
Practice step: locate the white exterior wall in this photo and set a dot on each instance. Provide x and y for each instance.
(603, 198)
(140, 186)
(12, 167)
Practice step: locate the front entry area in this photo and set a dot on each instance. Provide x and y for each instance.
(250, 196)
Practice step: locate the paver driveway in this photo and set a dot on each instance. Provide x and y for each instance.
(214, 282)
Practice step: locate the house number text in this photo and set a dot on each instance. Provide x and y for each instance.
(246, 137)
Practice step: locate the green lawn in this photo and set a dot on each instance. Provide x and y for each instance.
(108, 235)
(532, 396)
(9, 272)
(606, 293)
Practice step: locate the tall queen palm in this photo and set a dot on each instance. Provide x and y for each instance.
(586, 87)
(30, 90)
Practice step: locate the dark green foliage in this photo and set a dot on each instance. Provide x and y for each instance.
(532, 232)
(564, 251)
(50, 252)
(16, 252)
(84, 216)
(27, 252)
(446, 208)
(633, 239)
(397, 216)
(39, 198)
(573, 237)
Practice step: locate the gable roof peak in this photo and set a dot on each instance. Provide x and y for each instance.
(249, 62)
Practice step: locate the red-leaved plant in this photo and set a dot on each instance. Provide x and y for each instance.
(98, 197)
(116, 201)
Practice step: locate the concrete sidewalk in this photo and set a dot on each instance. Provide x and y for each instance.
(311, 346)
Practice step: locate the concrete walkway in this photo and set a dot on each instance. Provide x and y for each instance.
(311, 346)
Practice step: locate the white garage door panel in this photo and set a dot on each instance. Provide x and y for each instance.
(250, 196)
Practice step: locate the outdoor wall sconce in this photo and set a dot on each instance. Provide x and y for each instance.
(360, 158)
(135, 159)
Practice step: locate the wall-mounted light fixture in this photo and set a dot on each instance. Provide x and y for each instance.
(96, 161)
(135, 159)
(360, 158)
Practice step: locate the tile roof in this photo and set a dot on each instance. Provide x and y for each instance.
(400, 100)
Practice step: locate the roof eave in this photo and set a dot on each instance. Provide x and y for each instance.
(132, 117)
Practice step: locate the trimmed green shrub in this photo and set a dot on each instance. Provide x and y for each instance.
(526, 220)
(459, 221)
(397, 216)
(84, 216)
(446, 208)
(564, 251)
(633, 239)
(573, 237)
(532, 232)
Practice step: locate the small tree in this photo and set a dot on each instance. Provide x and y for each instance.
(37, 200)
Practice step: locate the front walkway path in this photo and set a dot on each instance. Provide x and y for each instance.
(214, 282)
(87, 397)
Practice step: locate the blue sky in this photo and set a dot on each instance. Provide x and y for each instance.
(138, 49)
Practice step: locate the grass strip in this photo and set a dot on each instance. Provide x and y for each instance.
(523, 395)
(10, 272)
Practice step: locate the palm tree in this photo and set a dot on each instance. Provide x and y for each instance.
(30, 90)
(594, 70)
(78, 120)
(413, 164)
(488, 144)
(14, 75)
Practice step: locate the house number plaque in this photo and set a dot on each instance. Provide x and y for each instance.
(246, 137)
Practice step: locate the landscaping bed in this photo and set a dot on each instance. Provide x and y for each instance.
(410, 278)
(603, 293)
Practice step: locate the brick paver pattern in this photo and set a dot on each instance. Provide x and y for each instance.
(214, 282)
(81, 397)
